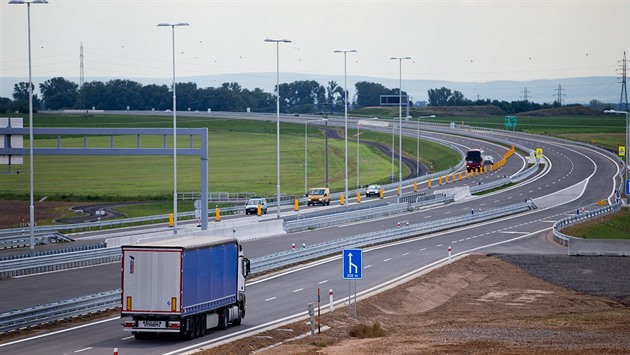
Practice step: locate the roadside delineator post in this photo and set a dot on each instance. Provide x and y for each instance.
(342, 199)
(292, 246)
(398, 225)
(297, 205)
(115, 351)
(449, 254)
(415, 186)
(330, 295)
(358, 197)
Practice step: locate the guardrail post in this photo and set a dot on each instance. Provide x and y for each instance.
(429, 183)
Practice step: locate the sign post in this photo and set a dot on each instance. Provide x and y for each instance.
(352, 270)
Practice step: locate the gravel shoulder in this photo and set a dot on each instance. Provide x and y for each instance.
(516, 304)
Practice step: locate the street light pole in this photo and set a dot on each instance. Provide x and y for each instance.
(30, 122)
(627, 158)
(345, 115)
(172, 26)
(418, 146)
(277, 42)
(306, 152)
(400, 59)
(358, 157)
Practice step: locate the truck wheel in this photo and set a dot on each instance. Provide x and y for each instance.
(237, 321)
(199, 331)
(204, 324)
(224, 319)
(189, 334)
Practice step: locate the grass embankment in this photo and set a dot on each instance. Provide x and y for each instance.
(616, 226)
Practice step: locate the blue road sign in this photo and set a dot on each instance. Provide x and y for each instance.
(628, 187)
(352, 264)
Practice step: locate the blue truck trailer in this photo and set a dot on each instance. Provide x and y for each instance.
(183, 285)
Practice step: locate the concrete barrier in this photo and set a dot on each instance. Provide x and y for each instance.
(603, 247)
(243, 230)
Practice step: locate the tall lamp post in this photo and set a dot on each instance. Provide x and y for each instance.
(172, 26)
(418, 145)
(627, 173)
(400, 59)
(30, 119)
(345, 111)
(306, 152)
(277, 42)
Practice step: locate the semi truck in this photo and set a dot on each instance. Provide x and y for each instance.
(183, 285)
(474, 159)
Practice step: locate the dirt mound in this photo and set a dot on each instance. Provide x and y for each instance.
(479, 304)
(570, 111)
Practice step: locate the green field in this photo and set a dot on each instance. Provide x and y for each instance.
(606, 130)
(242, 158)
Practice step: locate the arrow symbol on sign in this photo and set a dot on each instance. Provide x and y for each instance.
(351, 265)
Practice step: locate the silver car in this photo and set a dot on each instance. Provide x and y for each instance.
(373, 190)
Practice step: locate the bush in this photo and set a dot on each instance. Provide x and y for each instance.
(364, 331)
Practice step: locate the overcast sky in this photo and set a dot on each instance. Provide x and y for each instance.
(473, 41)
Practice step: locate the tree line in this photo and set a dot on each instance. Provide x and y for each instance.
(305, 96)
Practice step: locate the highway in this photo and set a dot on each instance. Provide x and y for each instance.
(574, 177)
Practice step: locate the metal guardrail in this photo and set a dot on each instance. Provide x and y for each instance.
(54, 251)
(342, 218)
(23, 240)
(564, 239)
(46, 263)
(270, 262)
(61, 310)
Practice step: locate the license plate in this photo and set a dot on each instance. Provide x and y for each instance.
(152, 324)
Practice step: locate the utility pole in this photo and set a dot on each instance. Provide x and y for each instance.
(624, 93)
(559, 94)
(525, 93)
(81, 78)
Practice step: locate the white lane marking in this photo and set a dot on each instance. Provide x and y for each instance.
(405, 254)
(439, 245)
(298, 290)
(388, 259)
(270, 299)
(127, 338)
(423, 249)
(115, 319)
(322, 282)
(367, 266)
(426, 217)
(512, 232)
(81, 350)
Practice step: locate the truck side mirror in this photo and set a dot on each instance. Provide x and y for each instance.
(246, 267)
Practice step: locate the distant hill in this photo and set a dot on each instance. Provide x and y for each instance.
(576, 90)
